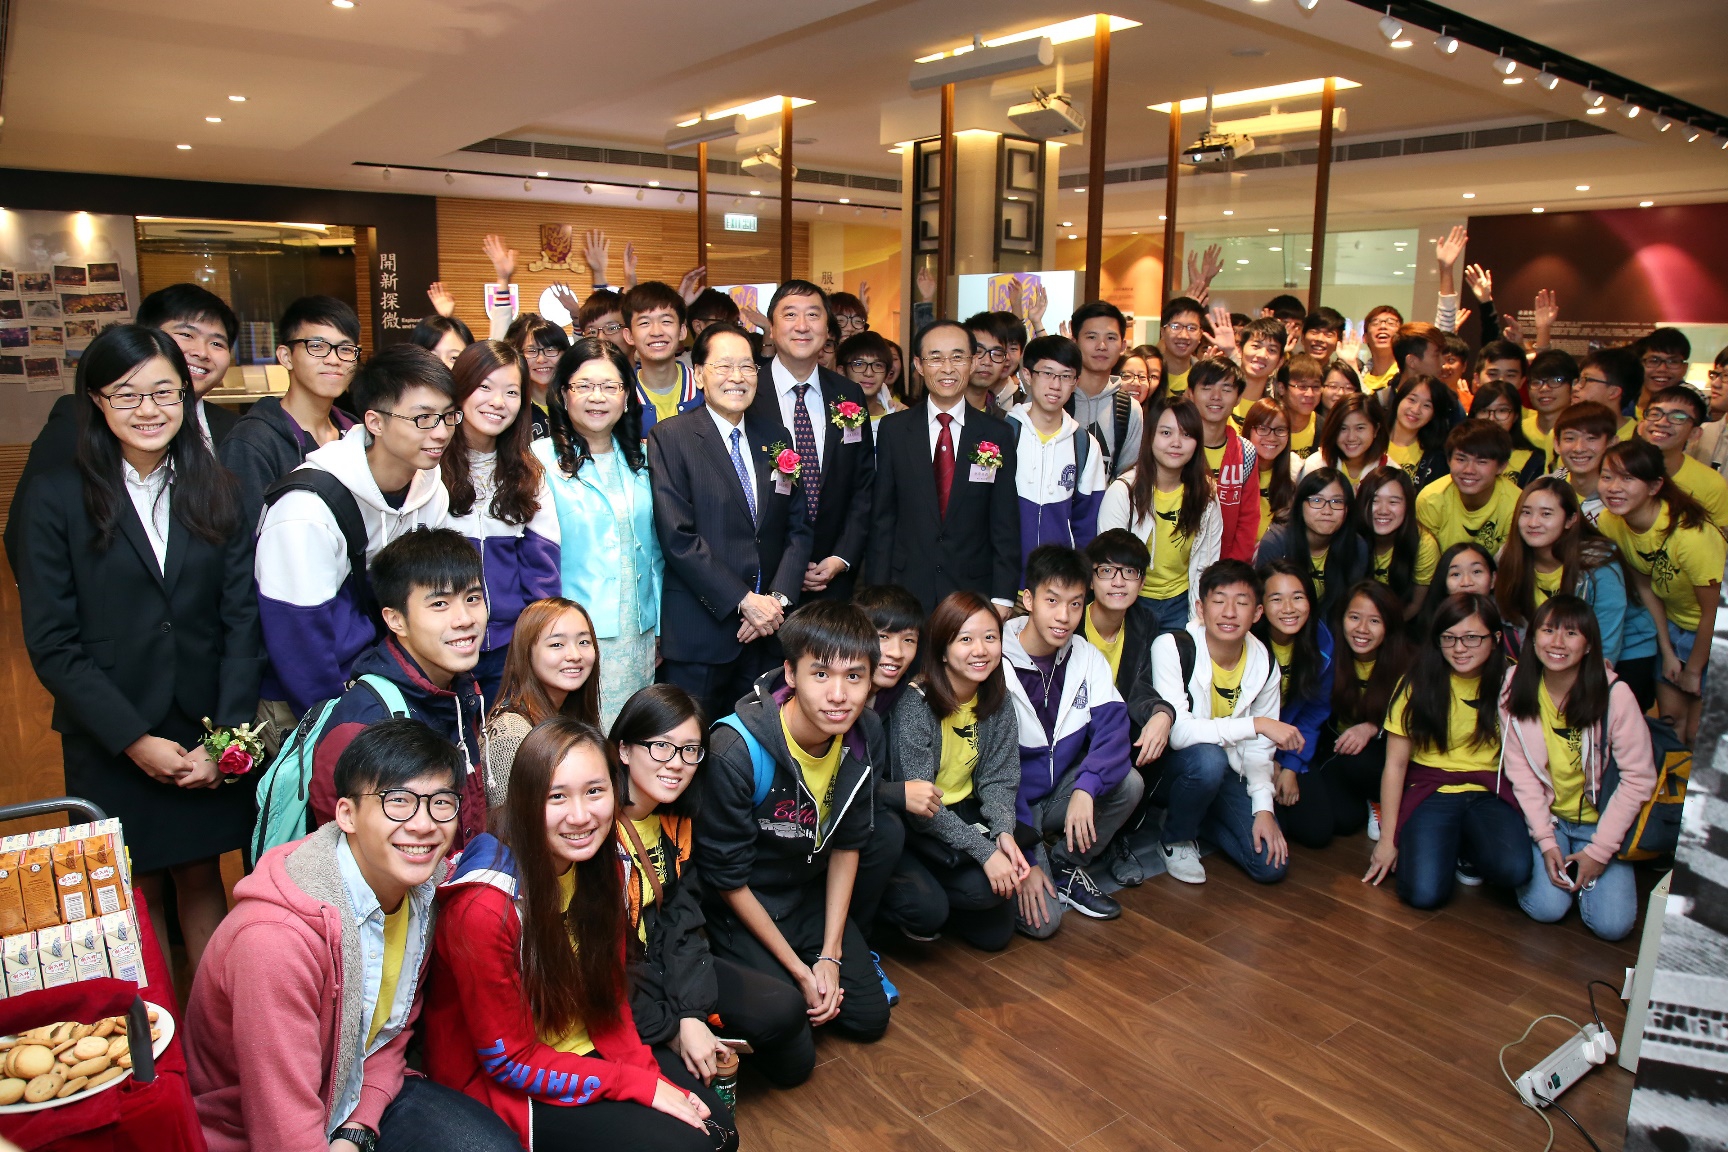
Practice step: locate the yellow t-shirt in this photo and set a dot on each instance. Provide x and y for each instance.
(1043, 439)
(1112, 649)
(1628, 428)
(1373, 383)
(1544, 441)
(1227, 687)
(1364, 670)
(1168, 575)
(1176, 383)
(1462, 753)
(1440, 509)
(1427, 560)
(648, 831)
(1283, 654)
(1265, 503)
(395, 948)
(575, 1041)
(1677, 563)
(819, 772)
(959, 753)
(1548, 584)
(1302, 442)
(1215, 457)
(1317, 569)
(1565, 762)
(1406, 456)
(1516, 462)
(1705, 485)
(1241, 412)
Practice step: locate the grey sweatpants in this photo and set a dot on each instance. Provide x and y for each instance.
(1109, 813)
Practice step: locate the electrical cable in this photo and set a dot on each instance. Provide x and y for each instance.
(1548, 1147)
(1590, 990)
(1589, 1138)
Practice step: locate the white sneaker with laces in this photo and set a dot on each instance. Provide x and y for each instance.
(1182, 861)
(1373, 821)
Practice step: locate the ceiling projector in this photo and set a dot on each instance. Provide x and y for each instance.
(1047, 115)
(1217, 148)
(764, 164)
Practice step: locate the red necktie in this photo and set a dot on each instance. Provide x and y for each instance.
(944, 464)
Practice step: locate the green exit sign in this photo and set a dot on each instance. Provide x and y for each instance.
(740, 222)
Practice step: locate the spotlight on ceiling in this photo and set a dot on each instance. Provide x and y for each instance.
(680, 197)
(1628, 109)
(588, 188)
(1547, 80)
(1391, 27)
(386, 173)
(527, 185)
(1504, 64)
(1693, 135)
(449, 178)
(1661, 123)
(1593, 98)
(638, 193)
(1307, 5)
(1444, 44)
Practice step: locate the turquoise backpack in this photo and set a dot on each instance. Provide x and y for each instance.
(761, 762)
(284, 792)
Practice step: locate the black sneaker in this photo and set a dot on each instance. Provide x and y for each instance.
(1077, 890)
(1467, 874)
(1124, 865)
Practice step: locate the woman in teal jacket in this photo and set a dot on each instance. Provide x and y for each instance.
(610, 558)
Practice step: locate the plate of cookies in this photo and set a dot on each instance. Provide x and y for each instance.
(69, 1061)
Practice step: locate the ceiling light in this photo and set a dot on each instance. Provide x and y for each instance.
(1241, 261)
(1409, 265)
(386, 173)
(527, 185)
(845, 200)
(1722, 143)
(542, 175)
(821, 209)
(858, 211)
(1307, 5)
(1390, 26)
(1513, 80)
(1469, 195)
(680, 197)
(1067, 223)
(1079, 28)
(756, 109)
(1547, 80)
(588, 188)
(1397, 271)
(1595, 111)
(341, 3)
(1661, 123)
(689, 133)
(736, 201)
(1581, 188)
(1504, 64)
(1274, 248)
(1538, 211)
(1646, 203)
(755, 192)
(212, 119)
(1270, 94)
(653, 183)
(1073, 236)
(1593, 99)
(1229, 211)
(1402, 43)
(1628, 109)
(449, 178)
(1271, 229)
(184, 147)
(1133, 233)
(1693, 135)
(639, 193)
(1163, 217)
(1444, 44)
(238, 99)
(1079, 189)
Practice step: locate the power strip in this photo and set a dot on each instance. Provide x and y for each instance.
(1566, 1065)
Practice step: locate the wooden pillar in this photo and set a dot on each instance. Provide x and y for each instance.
(785, 189)
(1096, 133)
(1322, 192)
(1172, 170)
(701, 205)
(945, 205)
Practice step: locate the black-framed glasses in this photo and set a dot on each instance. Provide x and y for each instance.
(1548, 383)
(994, 355)
(1654, 361)
(1111, 571)
(1717, 376)
(1676, 416)
(662, 751)
(1055, 377)
(1469, 641)
(318, 347)
(403, 804)
(426, 421)
(852, 323)
(1135, 378)
(610, 329)
(1176, 329)
(1335, 503)
(861, 365)
(126, 401)
(540, 352)
(1273, 430)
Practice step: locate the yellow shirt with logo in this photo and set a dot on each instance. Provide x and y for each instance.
(1265, 503)
(1168, 574)
(1427, 560)
(1543, 441)
(1462, 752)
(1112, 648)
(395, 948)
(1317, 569)
(819, 771)
(575, 1041)
(1406, 456)
(959, 753)
(1705, 485)
(1372, 382)
(1227, 687)
(1215, 457)
(1677, 562)
(1565, 762)
(1176, 383)
(1440, 509)
(1302, 442)
(1548, 584)
(648, 831)
(1283, 654)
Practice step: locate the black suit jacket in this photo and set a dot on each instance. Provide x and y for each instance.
(116, 641)
(57, 444)
(842, 525)
(977, 547)
(714, 554)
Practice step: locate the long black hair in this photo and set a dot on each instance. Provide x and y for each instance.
(650, 713)
(571, 449)
(1406, 541)
(1355, 701)
(516, 474)
(1307, 665)
(1431, 437)
(206, 498)
(1428, 707)
(1197, 490)
(1587, 702)
(1340, 550)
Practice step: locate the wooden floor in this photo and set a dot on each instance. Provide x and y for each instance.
(1319, 1015)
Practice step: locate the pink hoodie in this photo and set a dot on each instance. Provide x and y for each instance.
(1526, 766)
(271, 1028)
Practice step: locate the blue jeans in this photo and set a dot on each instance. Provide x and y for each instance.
(1204, 795)
(427, 1116)
(1171, 614)
(1477, 826)
(1609, 906)
(1683, 642)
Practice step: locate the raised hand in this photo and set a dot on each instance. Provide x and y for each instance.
(596, 251)
(566, 299)
(1480, 282)
(1547, 311)
(691, 285)
(442, 302)
(925, 282)
(503, 259)
(1223, 332)
(629, 264)
(1451, 246)
(864, 295)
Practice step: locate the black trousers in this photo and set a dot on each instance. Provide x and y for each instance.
(1334, 794)
(953, 896)
(768, 1013)
(876, 864)
(618, 1124)
(718, 687)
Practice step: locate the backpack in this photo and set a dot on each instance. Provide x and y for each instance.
(1121, 410)
(761, 760)
(1185, 651)
(346, 510)
(285, 790)
(1656, 831)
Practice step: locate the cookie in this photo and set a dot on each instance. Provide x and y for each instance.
(117, 1047)
(11, 1090)
(43, 1088)
(72, 1087)
(102, 1078)
(89, 1067)
(90, 1047)
(31, 1061)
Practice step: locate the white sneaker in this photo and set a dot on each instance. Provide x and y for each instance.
(1373, 821)
(1182, 861)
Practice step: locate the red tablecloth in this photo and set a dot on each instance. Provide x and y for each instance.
(154, 1117)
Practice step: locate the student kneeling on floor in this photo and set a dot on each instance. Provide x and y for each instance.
(779, 862)
(1077, 788)
(1216, 778)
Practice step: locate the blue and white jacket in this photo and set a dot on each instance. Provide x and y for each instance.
(689, 396)
(1308, 714)
(1091, 729)
(1058, 501)
(1250, 753)
(590, 570)
(308, 600)
(518, 562)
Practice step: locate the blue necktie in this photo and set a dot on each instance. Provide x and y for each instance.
(743, 475)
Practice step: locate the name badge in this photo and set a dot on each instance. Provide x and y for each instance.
(782, 484)
(982, 475)
(852, 435)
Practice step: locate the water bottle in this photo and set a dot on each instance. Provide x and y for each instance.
(725, 1083)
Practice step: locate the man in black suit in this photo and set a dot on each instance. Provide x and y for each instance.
(732, 527)
(923, 538)
(205, 328)
(839, 461)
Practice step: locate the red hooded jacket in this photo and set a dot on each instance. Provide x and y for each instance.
(1239, 498)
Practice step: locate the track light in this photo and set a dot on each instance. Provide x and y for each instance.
(449, 178)
(386, 173)
(588, 188)
(821, 209)
(638, 193)
(1504, 64)
(1722, 143)
(680, 197)
(1307, 5)
(1593, 98)
(1628, 109)
(1444, 44)
(1547, 79)
(1661, 123)
(1693, 135)
(527, 185)
(1390, 26)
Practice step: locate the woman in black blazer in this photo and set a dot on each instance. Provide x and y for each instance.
(141, 619)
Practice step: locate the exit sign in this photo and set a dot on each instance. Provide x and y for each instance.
(740, 222)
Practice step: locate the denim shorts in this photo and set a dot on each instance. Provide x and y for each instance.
(1683, 642)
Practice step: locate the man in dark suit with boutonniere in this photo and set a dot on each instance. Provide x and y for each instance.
(944, 514)
(732, 524)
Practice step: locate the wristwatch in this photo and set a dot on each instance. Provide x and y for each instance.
(362, 1138)
(784, 602)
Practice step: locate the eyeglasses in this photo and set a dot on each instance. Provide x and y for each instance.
(126, 401)
(1469, 641)
(957, 359)
(1664, 361)
(1111, 571)
(611, 329)
(1275, 432)
(1182, 329)
(1717, 376)
(852, 323)
(537, 352)
(595, 387)
(319, 348)
(1304, 386)
(1335, 503)
(426, 421)
(1548, 383)
(871, 366)
(1677, 416)
(994, 355)
(1135, 378)
(1050, 377)
(722, 369)
(403, 804)
(662, 751)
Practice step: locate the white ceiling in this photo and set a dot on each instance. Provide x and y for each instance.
(114, 85)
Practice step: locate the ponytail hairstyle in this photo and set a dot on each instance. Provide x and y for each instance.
(1515, 581)
(571, 449)
(1307, 665)
(1642, 460)
(1197, 490)
(1406, 540)
(1428, 707)
(1356, 402)
(205, 496)
(1355, 702)
(1283, 488)
(566, 985)
(516, 474)
(1587, 703)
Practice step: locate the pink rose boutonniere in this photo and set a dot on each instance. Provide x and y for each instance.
(237, 751)
(787, 463)
(849, 415)
(987, 455)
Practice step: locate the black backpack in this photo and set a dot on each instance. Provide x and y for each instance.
(346, 510)
(1121, 412)
(1185, 653)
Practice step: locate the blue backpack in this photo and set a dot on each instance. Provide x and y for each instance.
(761, 762)
(284, 792)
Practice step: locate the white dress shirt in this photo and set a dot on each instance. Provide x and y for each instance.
(204, 425)
(784, 387)
(150, 497)
(744, 450)
(959, 414)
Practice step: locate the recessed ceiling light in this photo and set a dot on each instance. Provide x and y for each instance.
(542, 175)
(238, 99)
(1271, 94)
(1133, 233)
(1581, 188)
(1163, 217)
(1274, 248)
(845, 200)
(212, 119)
(184, 147)
(1229, 211)
(1538, 211)
(1409, 265)
(653, 183)
(1067, 223)
(1646, 203)
(1079, 189)
(1271, 229)
(1469, 195)
(1513, 80)
(1241, 261)
(1397, 271)
(1073, 236)
(1594, 111)
(755, 192)
(341, 3)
